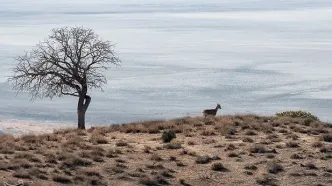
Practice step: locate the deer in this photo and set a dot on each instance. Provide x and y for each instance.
(211, 112)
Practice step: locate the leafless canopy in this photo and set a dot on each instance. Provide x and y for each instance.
(69, 62)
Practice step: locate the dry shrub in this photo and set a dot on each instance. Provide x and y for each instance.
(64, 131)
(73, 142)
(23, 174)
(98, 138)
(317, 144)
(248, 140)
(153, 181)
(28, 156)
(156, 157)
(62, 179)
(250, 167)
(250, 133)
(112, 153)
(267, 180)
(188, 152)
(274, 167)
(219, 167)
(283, 131)
(16, 164)
(327, 138)
(80, 132)
(208, 133)
(191, 142)
(175, 145)
(50, 137)
(296, 156)
(230, 147)
(292, 144)
(90, 173)
(233, 155)
(73, 162)
(273, 138)
(168, 136)
(31, 139)
(258, 148)
(310, 166)
(50, 157)
(151, 127)
(298, 114)
(121, 143)
(38, 173)
(7, 148)
(203, 159)
(95, 180)
(95, 155)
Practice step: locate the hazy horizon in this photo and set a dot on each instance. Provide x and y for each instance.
(180, 57)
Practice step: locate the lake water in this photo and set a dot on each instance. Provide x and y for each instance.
(180, 56)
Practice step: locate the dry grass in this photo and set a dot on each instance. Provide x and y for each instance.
(205, 151)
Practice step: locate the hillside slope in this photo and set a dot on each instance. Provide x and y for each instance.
(224, 150)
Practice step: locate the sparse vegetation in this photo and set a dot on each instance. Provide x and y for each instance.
(258, 149)
(298, 114)
(219, 167)
(292, 144)
(203, 159)
(327, 138)
(168, 136)
(274, 167)
(134, 154)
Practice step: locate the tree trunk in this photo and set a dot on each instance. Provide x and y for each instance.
(83, 104)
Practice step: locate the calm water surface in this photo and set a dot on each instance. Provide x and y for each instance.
(181, 56)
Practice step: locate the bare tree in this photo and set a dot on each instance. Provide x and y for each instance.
(70, 61)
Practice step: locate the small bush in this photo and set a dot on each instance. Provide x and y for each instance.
(310, 166)
(296, 156)
(233, 155)
(208, 133)
(61, 179)
(299, 114)
(98, 139)
(247, 139)
(267, 180)
(219, 167)
(250, 133)
(258, 149)
(22, 174)
(73, 162)
(203, 159)
(173, 146)
(121, 143)
(156, 157)
(250, 167)
(182, 181)
(191, 143)
(230, 147)
(292, 144)
(317, 144)
(172, 158)
(327, 138)
(153, 181)
(180, 164)
(274, 168)
(168, 136)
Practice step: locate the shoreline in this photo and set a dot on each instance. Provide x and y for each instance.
(20, 127)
